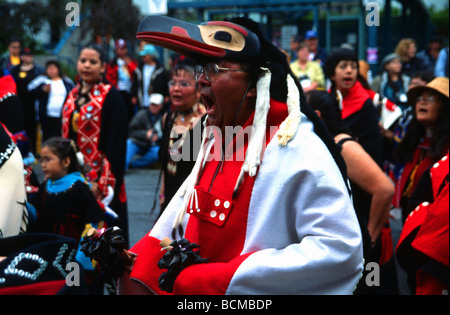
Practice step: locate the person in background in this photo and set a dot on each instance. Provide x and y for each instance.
(441, 67)
(294, 43)
(373, 191)
(357, 110)
(179, 127)
(51, 89)
(431, 54)
(94, 116)
(145, 133)
(411, 63)
(426, 139)
(65, 202)
(153, 77)
(12, 57)
(421, 78)
(392, 83)
(11, 110)
(309, 73)
(316, 52)
(23, 74)
(423, 246)
(121, 72)
(395, 134)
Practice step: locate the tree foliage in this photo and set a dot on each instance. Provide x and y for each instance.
(20, 21)
(115, 18)
(104, 18)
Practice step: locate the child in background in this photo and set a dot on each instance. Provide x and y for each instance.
(65, 203)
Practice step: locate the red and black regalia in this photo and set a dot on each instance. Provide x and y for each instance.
(66, 205)
(11, 111)
(423, 247)
(97, 122)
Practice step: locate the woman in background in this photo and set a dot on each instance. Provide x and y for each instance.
(426, 140)
(178, 131)
(51, 90)
(357, 110)
(95, 118)
(373, 190)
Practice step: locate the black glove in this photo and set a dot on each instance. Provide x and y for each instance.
(181, 255)
(108, 249)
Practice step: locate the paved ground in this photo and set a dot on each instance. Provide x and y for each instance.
(140, 185)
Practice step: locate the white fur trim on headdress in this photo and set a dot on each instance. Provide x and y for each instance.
(340, 99)
(289, 126)
(187, 191)
(253, 153)
(257, 139)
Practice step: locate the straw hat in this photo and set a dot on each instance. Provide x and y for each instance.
(439, 84)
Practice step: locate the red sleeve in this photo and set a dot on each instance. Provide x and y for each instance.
(207, 279)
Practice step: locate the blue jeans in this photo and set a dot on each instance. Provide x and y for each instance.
(148, 156)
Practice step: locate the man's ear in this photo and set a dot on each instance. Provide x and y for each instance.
(318, 113)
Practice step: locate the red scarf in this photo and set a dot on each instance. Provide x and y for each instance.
(354, 100)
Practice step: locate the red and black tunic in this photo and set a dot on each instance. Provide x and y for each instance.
(99, 128)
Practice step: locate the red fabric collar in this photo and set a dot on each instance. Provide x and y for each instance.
(354, 100)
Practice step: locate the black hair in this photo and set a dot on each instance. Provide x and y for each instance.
(56, 64)
(98, 49)
(424, 75)
(15, 40)
(337, 56)
(64, 148)
(404, 152)
(333, 60)
(329, 111)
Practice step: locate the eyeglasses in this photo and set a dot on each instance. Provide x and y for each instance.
(183, 84)
(211, 71)
(426, 99)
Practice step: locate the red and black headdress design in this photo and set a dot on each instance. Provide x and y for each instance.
(215, 39)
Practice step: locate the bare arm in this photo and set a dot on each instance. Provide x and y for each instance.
(366, 173)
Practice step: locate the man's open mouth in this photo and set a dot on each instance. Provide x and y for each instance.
(209, 104)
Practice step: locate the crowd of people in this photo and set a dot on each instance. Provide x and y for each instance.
(282, 219)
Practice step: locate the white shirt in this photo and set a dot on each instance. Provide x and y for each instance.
(123, 77)
(56, 98)
(147, 72)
